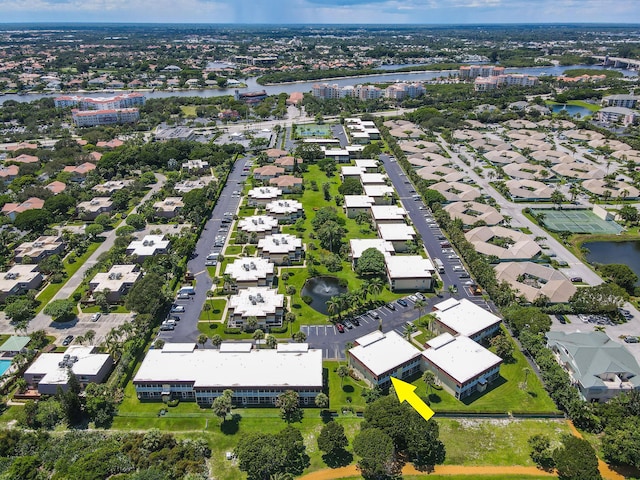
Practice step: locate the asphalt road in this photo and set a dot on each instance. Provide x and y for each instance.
(187, 328)
(333, 342)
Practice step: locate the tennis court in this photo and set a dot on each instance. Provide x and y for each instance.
(577, 221)
(313, 130)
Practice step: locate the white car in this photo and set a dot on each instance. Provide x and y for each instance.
(177, 309)
(95, 317)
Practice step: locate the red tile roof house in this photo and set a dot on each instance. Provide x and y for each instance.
(56, 187)
(13, 209)
(79, 171)
(24, 159)
(287, 163)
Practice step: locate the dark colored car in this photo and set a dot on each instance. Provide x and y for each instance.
(355, 321)
(561, 319)
(67, 340)
(391, 306)
(402, 302)
(576, 279)
(340, 327)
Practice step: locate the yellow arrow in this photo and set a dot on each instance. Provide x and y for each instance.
(405, 391)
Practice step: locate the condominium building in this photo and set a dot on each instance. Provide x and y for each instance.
(41, 248)
(94, 207)
(126, 100)
(263, 304)
(482, 84)
(281, 248)
(626, 101)
(18, 280)
(150, 245)
(463, 317)
(470, 72)
(91, 118)
(116, 282)
(250, 272)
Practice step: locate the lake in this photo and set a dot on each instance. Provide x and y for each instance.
(627, 253)
(572, 110)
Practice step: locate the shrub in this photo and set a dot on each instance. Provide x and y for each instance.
(307, 299)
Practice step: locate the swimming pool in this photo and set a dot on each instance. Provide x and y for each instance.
(4, 366)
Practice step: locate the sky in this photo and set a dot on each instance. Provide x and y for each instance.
(322, 11)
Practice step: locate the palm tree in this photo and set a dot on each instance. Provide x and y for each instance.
(409, 330)
(420, 305)
(258, 335)
(524, 384)
(299, 337)
(375, 286)
(90, 335)
(271, 341)
(202, 339)
(429, 378)
(333, 305)
(216, 340)
(342, 371)
(252, 323)
(207, 308)
(452, 290)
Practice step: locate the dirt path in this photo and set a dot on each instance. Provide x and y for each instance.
(605, 471)
(352, 471)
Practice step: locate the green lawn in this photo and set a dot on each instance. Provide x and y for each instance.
(217, 308)
(494, 442)
(70, 268)
(341, 390)
(233, 250)
(188, 111)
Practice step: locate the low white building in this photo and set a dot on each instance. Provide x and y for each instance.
(19, 279)
(263, 195)
(94, 207)
(116, 282)
(250, 272)
(359, 245)
(368, 165)
(281, 248)
(388, 214)
(381, 194)
(462, 317)
(169, 207)
(398, 234)
(255, 376)
(285, 211)
(195, 165)
(263, 303)
(463, 366)
(41, 248)
(356, 204)
(373, 179)
(409, 272)
(261, 225)
(112, 186)
(150, 245)
(50, 370)
(379, 356)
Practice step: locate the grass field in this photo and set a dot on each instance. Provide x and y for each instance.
(217, 308)
(188, 111)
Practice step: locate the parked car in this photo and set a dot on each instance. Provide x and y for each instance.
(464, 275)
(211, 263)
(631, 339)
(560, 318)
(178, 309)
(391, 306)
(340, 327)
(166, 327)
(183, 296)
(402, 301)
(348, 324)
(95, 317)
(67, 340)
(374, 314)
(576, 279)
(420, 296)
(355, 321)
(413, 298)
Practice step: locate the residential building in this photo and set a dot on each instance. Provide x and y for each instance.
(250, 98)
(379, 356)
(358, 245)
(400, 91)
(356, 204)
(462, 366)
(250, 272)
(79, 172)
(381, 194)
(398, 234)
(112, 186)
(349, 171)
(529, 190)
(472, 212)
(94, 207)
(170, 207)
(625, 101)
(13, 209)
(599, 367)
(56, 187)
(622, 115)
(264, 304)
(388, 214)
(19, 279)
(125, 100)
(196, 166)
(288, 163)
(256, 377)
(281, 248)
(491, 83)
(373, 179)
(533, 281)
(409, 273)
(267, 172)
(260, 225)
(615, 189)
(470, 72)
(14, 345)
(263, 195)
(9, 173)
(189, 185)
(116, 282)
(463, 317)
(164, 134)
(368, 165)
(503, 243)
(24, 158)
(50, 371)
(338, 155)
(286, 211)
(92, 118)
(287, 183)
(41, 248)
(150, 245)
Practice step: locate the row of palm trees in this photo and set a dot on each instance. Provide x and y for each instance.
(343, 302)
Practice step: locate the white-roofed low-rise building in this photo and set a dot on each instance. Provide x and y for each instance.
(356, 204)
(51, 370)
(381, 194)
(463, 317)
(149, 245)
(281, 248)
(170, 207)
(285, 211)
(381, 214)
(264, 304)
(260, 225)
(91, 209)
(263, 195)
(41, 248)
(250, 272)
(255, 376)
(472, 212)
(359, 245)
(112, 186)
(369, 165)
(409, 273)
(503, 243)
(19, 279)
(373, 179)
(533, 281)
(116, 282)
(379, 356)
(398, 234)
(463, 366)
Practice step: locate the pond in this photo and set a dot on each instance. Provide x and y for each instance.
(572, 110)
(627, 253)
(321, 289)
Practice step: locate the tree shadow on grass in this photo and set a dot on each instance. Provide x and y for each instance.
(338, 459)
(232, 425)
(213, 326)
(434, 398)
(348, 389)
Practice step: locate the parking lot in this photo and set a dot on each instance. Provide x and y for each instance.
(83, 324)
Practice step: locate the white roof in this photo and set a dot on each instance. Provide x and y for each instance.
(264, 192)
(279, 243)
(388, 212)
(230, 369)
(366, 163)
(382, 352)
(256, 302)
(378, 190)
(359, 245)
(396, 231)
(460, 357)
(115, 278)
(284, 207)
(249, 269)
(409, 266)
(463, 316)
(350, 170)
(148, 245)
(372, 178)
(357, 201)
(258, 223)
(88, 364)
